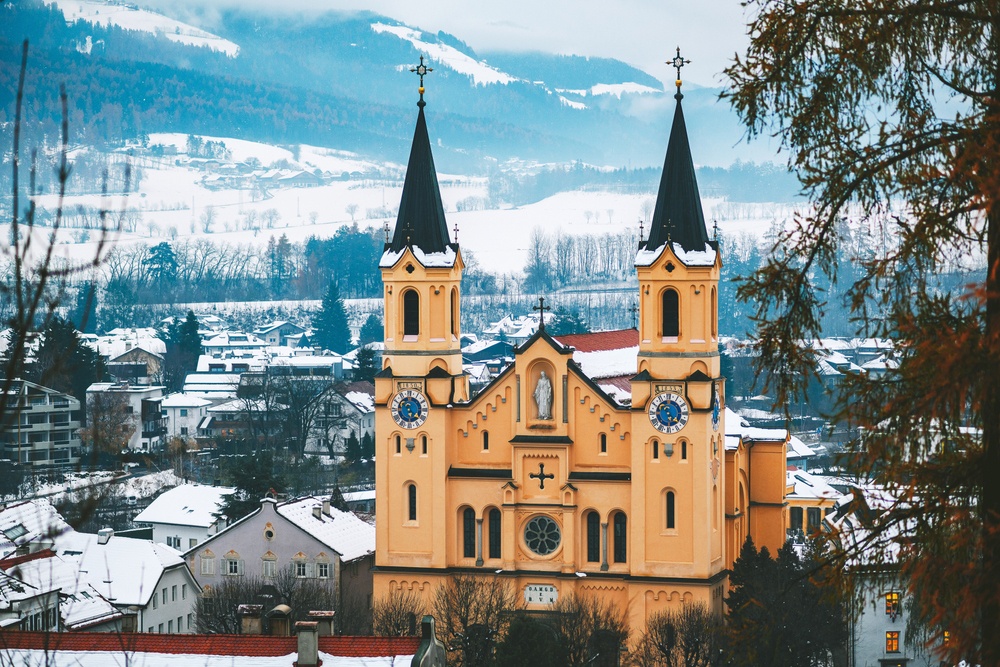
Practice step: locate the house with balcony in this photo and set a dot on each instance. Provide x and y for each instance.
(43, 428)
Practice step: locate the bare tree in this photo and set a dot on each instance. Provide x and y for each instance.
(351, 210)
(110, 424)
(398, 614)
(472, 614)
(687, 637)
(207, 219)
(589, 628)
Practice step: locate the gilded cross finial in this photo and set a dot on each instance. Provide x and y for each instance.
(420, 71)
(678, 62)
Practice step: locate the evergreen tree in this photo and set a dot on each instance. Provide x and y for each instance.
(368, 446)
(65, 363)
(372, 330)
(161, 265)
(366, 367)
(566, 322)
(330, 323)
(85, 309)
(183, 350)
(353, 452)
(252, 477)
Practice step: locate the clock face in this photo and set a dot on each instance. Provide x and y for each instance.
(409, 408)
(668, 412)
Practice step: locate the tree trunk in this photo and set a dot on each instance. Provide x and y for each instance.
(990, 473)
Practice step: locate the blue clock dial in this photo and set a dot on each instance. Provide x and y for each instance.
(668, 412)
(409, 408)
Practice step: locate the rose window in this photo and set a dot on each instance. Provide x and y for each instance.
(542, 535)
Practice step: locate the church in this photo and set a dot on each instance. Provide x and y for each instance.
(546, 477)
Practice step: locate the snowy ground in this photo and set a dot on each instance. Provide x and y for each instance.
(171, 200)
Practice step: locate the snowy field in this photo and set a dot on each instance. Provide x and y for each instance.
(172, 199)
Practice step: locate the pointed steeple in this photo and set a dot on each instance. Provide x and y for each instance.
(678, 217)
(421, 219)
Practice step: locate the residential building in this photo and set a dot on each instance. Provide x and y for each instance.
(277, 333)
(183, 413)
(137, 366)
(319, 542)
(142, 403)
(185, 516)
(43, 427)
(810, 499)
(592, 465)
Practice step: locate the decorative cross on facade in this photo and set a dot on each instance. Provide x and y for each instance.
(541, 476)
(541, 308)
(678, 62)
(420, 71)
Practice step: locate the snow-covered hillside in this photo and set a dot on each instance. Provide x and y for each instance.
(130, 17)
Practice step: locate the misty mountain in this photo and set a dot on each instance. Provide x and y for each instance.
(341, 80)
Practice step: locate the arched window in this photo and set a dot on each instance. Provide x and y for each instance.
(412, 492)
(604, 443)
(671, 511)
(656, 449)
(486, 441)
(399, 445)
(411, 313)
(454, 312)
(423, 444)
(469, 533)
(671, 314)
(621, 537)
(713, 315)
(684, 450)
(593, 537)
(494, 529)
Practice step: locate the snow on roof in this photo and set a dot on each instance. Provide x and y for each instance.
(124, 570)
(738, 426)
(343, 532)
(80, 605)
(212, 378)
(29, 521)
(884, 362)
(443, 259)
(732, 442)
(607, 363)
(186, 505)
(706, 257)
(799, 449)
(183, 400)
(806, 485)
(354, 496)
(362, 401)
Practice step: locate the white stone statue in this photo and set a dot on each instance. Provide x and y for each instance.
(543, 396)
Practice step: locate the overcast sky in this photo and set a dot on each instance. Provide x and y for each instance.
(644, 33)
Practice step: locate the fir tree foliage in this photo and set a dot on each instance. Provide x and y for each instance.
(330, 322)
(183, 350)
(65, 363)
(566, 322)
(372, 330)
(890, 115)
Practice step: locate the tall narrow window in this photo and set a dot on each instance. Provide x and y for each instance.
(892, 603)
(469, 533)
(423, 444)
(670, 510)
(684, 450)
(604, 443)
(795, 518)
(892, 641)
(399, 443)
(454, 312)
(411, 313)
(494, 528)
(412, 491)
(621, 525)
(671, 314)
(656, 449)
(486, 441)
(714, 315)
(593, 537)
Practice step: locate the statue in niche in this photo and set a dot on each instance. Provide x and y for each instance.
(543, 396)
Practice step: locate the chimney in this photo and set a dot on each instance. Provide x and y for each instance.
(324, 622)
(318, 512)
(308, 635)
(104, 535)
(250, 623)
(326, 507)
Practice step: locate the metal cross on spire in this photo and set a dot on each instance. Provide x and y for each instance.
(678, 62)
(420, 71)
(541, 308)
(456, 232)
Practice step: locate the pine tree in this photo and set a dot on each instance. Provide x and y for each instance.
(330, 323)
(566, 322)
(371, 331)
(65, 363)
(366, 368)
(183, 350)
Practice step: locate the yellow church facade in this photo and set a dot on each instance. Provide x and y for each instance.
(545, 478)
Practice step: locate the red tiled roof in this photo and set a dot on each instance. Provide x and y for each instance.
(602, 340)
(235, 645)
(622, 382)
(11, 561)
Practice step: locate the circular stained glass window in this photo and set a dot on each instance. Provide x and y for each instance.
(542, 535)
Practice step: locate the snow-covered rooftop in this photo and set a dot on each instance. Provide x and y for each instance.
(706, 257)
(183, 400)
(444, 259)
(343, 532)
(806, 485)
(29, 521)
(186, 505)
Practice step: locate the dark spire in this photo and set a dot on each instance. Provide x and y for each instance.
(421, 220)
(678, 217)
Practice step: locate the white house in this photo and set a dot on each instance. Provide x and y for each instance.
(183, 412)
(185, 515)
(143, 404)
